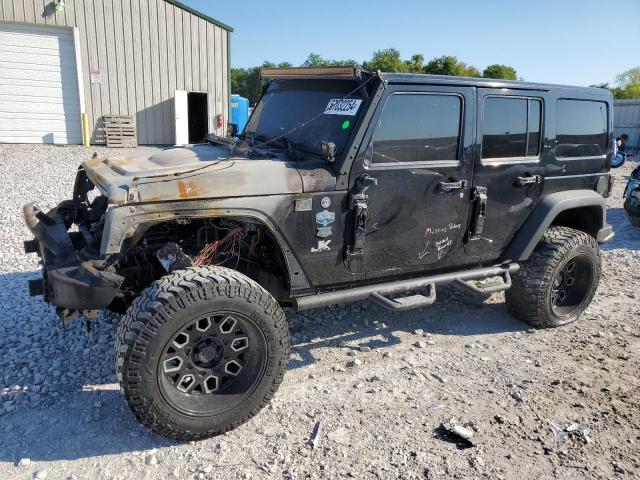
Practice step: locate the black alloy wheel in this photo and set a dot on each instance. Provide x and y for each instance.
(212, 365)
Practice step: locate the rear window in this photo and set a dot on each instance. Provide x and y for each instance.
(511, 127)
(418, 128)
(581, 128)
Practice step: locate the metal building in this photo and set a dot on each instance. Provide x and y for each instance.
(626, 119)
(65, 64)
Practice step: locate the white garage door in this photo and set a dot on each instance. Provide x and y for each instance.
(39, 99)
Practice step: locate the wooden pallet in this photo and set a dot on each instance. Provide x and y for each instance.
(120, 131)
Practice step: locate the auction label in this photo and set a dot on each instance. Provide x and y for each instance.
(343, 106)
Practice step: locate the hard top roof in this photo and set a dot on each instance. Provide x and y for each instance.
(354, 72)
(425, 79)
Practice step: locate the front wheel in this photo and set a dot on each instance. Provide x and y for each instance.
(200, 352)
(558, 281)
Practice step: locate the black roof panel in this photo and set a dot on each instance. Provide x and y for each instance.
(423, 79)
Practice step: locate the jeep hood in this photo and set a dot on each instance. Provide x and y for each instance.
(199, 172)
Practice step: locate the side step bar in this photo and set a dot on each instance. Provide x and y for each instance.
(381, 291)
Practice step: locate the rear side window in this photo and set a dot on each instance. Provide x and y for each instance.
(418, 128)
(511, 127)
(581, 128)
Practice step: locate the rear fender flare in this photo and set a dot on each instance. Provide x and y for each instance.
(547, 211)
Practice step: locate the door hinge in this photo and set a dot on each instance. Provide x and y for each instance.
(359, 205)
(479, 212)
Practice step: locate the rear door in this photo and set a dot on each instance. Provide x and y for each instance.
(419, 151)
(509, 169)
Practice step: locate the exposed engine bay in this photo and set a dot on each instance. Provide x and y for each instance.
(238, 243)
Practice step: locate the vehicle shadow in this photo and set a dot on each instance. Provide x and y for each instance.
(626, 235)
(366, 324)
(59, 399)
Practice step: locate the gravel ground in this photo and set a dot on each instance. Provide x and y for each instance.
(379, 384)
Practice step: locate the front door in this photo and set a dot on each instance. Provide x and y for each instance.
(510, 165)
(420, 156)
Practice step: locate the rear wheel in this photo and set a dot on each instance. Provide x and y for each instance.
(558, 281)
(201, 351)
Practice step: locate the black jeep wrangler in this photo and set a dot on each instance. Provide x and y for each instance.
(345, 185)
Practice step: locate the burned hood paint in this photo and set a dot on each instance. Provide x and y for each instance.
(199, 172)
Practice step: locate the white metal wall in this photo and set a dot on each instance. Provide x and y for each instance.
(39, 96)
(626, 119)
(142, 51)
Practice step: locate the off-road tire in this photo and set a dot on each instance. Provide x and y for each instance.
(529, 299)
(634, 219)
(167, 305)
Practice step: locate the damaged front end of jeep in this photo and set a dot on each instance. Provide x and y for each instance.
(75, 277)
(105, 245)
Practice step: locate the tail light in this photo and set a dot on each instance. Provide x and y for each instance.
(219, 121)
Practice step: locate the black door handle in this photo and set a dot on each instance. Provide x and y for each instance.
(450, 186)
(524, 181)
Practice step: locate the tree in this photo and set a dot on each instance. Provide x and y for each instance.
(469, 70)
(315, 60)
(500, 71)
(628, 84)
(415, 65)
(386, 61)
(450, 65)
(246, 81)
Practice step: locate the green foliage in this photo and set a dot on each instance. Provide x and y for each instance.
(628, 84)
(386, 61)
(450, 65)
(500, 71)
(246, 81)
(315, 60)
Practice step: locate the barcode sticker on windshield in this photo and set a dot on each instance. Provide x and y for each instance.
(343, 106)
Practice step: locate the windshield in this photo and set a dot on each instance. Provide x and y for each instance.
(287, 104)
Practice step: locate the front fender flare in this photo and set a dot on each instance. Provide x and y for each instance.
(124, 222)
(547, 210)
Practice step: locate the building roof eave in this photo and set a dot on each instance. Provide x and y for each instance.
(201, 15)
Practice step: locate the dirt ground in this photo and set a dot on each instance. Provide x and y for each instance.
(464, 358)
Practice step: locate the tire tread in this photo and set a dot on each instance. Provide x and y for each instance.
(149, 312)
(526, 298)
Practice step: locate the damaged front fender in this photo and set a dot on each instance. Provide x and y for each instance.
(126, 225)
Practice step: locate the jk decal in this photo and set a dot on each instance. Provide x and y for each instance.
(323, 246)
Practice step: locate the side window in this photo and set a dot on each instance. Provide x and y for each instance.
(418, 128)
(581, 128)
(511, 127)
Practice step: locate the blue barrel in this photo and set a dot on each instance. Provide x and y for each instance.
(239, 111)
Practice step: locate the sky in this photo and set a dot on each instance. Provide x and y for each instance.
(576, 42)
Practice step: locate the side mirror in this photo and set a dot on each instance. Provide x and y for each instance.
(232, 129)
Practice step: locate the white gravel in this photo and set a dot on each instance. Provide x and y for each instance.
(381, 384)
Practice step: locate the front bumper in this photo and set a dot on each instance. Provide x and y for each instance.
(70, 279)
